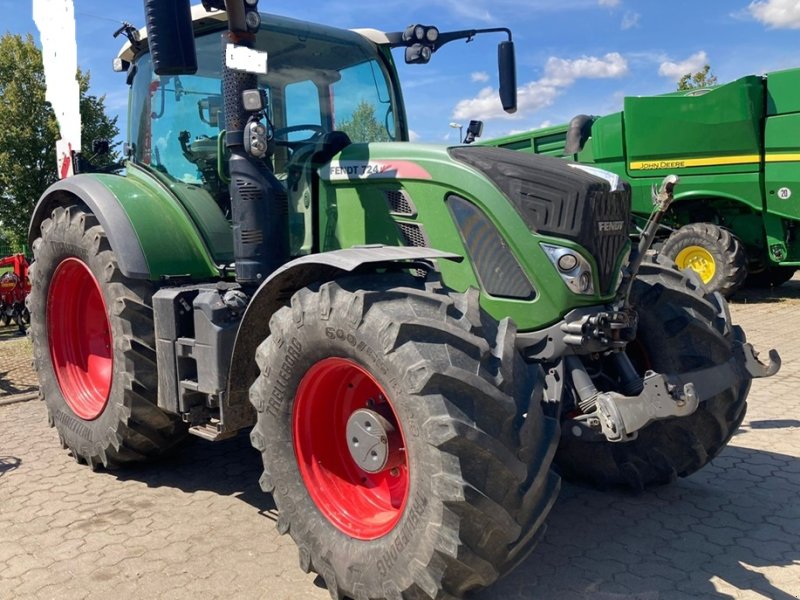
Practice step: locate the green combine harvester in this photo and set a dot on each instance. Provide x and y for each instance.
(409, 339)
(735, 147)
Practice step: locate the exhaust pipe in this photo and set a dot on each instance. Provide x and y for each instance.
(258, 203)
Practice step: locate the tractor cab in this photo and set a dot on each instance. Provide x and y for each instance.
(324, 88)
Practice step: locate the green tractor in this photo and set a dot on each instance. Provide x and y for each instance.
(419, 339)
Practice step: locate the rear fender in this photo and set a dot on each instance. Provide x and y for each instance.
(152, 235)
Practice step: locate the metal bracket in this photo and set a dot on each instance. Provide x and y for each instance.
(604, 330)
(621, 416)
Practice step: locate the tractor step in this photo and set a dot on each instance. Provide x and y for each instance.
(211, 432)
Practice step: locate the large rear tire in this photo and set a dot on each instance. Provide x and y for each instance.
(714, 253)
(681, 328)
(466, 485)
(94, 346)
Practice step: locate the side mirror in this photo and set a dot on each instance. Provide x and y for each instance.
(170, 36)
(101, 147)
(507, 67)
(211, 105)
(474, 131)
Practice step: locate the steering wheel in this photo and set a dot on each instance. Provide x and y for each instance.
(280, 135)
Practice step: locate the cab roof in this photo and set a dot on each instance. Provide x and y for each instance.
(203, 19)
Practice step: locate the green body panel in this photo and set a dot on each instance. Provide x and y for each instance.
(212, 225)
(172, 244)
(782, 96)
(549, 141)
(608, 148)
(723, 122)
(354, 210)
(782, 166)
(736, 148)
(744, 189)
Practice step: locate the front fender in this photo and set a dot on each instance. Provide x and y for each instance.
(277, 290)
(152, 235)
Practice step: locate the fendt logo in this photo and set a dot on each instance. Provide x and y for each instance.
(610, 226)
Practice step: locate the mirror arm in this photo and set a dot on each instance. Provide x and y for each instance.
(396, 38)
(467, 34)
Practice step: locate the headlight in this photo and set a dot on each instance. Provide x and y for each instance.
(574, 269)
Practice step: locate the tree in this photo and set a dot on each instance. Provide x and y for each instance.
(702, 79)
(29, 130)
(363, 126)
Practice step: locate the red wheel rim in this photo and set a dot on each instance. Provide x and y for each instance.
(79, 334)
(362, 505)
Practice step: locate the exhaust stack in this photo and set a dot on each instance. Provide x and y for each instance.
(258, 203)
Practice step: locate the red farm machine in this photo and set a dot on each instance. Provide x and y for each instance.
(14, 288)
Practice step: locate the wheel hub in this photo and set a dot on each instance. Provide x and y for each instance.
(699, 260)
(79, 336)
(373, 442)
(350, 448)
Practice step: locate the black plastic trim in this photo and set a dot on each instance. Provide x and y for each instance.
(497, 268)
(555, 198)
(109, 212)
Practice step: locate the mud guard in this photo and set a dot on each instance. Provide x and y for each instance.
(278, 289)
(153, 237)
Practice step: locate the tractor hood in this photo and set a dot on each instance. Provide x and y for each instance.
(503, 211)
(588, 206)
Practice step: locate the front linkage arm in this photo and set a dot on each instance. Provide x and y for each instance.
(618, 417)
(666, 396)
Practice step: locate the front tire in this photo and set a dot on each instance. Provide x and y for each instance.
(681, 329)
(714, 253)
(94, 346)
(467, 485)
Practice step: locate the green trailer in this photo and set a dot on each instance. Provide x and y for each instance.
(735, 148)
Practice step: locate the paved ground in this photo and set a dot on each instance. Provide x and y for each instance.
(197, 526)
(16, 376)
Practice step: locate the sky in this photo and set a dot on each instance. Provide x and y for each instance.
(573, 56)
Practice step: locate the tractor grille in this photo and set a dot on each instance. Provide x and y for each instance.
(558, 200)
(606, 246)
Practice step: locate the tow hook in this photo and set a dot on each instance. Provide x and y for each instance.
(746, 355)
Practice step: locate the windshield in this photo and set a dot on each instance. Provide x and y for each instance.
(316, 82)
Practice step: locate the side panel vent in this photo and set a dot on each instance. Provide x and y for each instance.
(400, 203)
(248, 191)
(413, 234)
(497, 268)
(252, 236)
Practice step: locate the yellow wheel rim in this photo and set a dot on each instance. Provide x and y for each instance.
(699, 260)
